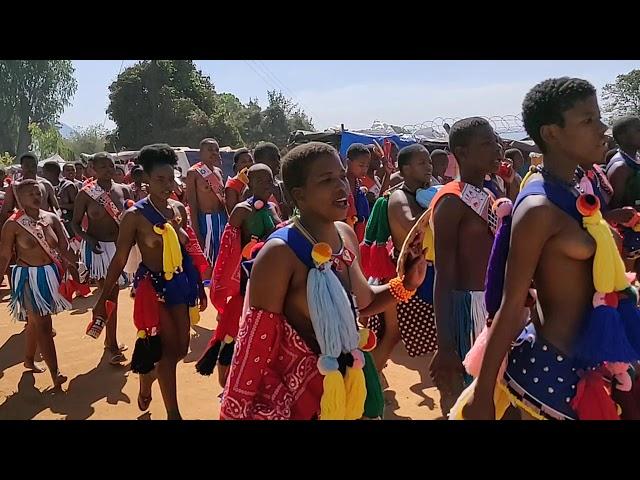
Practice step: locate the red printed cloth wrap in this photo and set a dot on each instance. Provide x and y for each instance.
(273, 375)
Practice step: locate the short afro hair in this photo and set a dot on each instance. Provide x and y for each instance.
(102, 156)
(206, 141)
(356, 150)
(52, 166)
(622, 125)
(265, 151)
(406, 154)
(157, 155)
(464, 130)
(297, 163)
(25, 183)
(510, 153)
(546, 103)
(238, 154)
(26, 155)
(439, 152)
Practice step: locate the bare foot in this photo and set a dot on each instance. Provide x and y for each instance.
(144, 402)
(120, 348)
(59, 381)
(117, 358)
(34, 367)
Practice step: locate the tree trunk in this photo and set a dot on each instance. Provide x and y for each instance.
(24, 137)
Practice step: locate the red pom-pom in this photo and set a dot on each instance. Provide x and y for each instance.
(587, 204)
(371, 342)
(129, 203)
(611, 299)
(504, 170)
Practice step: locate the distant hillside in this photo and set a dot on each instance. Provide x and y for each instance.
(65, 130)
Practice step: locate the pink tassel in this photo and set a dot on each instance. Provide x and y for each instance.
(473, 360)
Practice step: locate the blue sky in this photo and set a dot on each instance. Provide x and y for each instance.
(357, 92)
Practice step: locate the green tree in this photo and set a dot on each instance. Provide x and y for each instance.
(252, 126)
(48, 141)
(172, 101)
(91, 139)
(281, 117)
(6, 159)
(622, 97)
(168, 101)
(32, 91)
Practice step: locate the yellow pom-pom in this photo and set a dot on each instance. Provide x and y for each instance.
(142, 334)
(227, 339)
(159, 229)
(194, 315)
(321, 253)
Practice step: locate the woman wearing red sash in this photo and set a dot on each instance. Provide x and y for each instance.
(40, 244)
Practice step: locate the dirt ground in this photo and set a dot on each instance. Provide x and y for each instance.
(99, 391)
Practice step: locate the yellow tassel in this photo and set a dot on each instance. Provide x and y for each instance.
(194, 315)
(356, 393)
(608, 267)
(527, 177)
(243, 177)
(333, 401)
(428, 243)
(171, 252)
(501, 401)
(517, 402)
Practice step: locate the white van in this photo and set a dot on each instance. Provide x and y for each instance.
(187, 157)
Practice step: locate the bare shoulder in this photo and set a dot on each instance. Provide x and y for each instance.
(9, 226)
(131, 216)
(448, 206)
(239, 213)
(538, 212)
(51, 218)
(397, 198)
(349, 235)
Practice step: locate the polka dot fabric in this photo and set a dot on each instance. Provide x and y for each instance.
(417, 324)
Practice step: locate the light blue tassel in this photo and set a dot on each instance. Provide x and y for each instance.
(331, 313)
(19, 277)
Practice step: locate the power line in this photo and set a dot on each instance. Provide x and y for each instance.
(277, 79)
(275, 82)
(264, 79)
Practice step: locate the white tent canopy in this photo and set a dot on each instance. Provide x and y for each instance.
(55, 158)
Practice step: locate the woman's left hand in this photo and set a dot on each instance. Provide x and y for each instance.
(416, 264)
